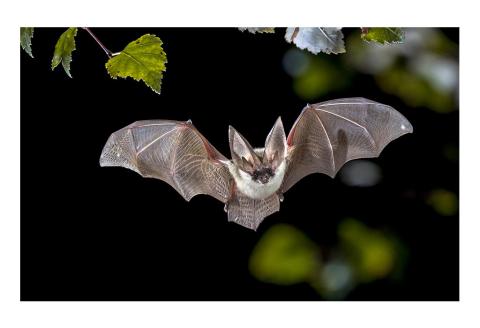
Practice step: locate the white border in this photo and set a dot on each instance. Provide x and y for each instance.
(237, 314)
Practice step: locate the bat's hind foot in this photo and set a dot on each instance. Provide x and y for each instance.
(280, 197)
(225, 208)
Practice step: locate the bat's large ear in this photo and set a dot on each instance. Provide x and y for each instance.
(275, 145)
(242, 153)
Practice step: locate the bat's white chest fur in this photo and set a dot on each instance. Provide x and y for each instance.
(254, 189)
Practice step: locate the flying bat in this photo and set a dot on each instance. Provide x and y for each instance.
(251, 184)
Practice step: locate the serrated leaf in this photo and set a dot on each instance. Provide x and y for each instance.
(257, 29)
(63, 50)
(26, 35)
(383, 35)
(317, 39)
(142, 59)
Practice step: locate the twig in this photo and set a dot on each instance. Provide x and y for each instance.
(108, 52)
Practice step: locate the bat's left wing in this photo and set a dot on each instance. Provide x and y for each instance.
(328, 134)
(172, 151)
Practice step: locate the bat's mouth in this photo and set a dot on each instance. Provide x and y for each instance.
(264, 181)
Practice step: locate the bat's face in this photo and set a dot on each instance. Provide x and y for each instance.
(263, 175)
(259, 172)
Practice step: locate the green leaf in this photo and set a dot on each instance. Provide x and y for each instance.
(383, 35)
(26, 35)
(142, 59)
(258, 29)
(63, 50)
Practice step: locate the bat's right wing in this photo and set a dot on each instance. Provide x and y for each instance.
(172, 151)
(329, 134)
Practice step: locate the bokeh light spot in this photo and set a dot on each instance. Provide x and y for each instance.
(372, 252)
(284, 255)
(444, 202)
(295, 62)
(360, 173)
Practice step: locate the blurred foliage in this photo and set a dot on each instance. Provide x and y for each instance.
(313, 74)
(285, 255)
(415, 90)
(383, 35)
(371, 252)
(422, 71)
(444, 202)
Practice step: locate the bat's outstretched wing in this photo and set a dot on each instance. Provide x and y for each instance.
(172, 151)
(329, 134)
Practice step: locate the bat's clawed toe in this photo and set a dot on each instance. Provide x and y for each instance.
(280, 197)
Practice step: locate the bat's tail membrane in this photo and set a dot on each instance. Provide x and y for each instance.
(119, 151)
(250, 212)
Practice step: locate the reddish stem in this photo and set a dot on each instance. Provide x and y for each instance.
(108, 52)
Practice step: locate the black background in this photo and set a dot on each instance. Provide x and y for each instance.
(91, 233)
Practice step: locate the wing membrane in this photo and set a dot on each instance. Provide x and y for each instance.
(172, 151)
(329, 134)
(250, 212)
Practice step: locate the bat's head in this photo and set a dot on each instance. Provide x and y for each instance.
(260, 164)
